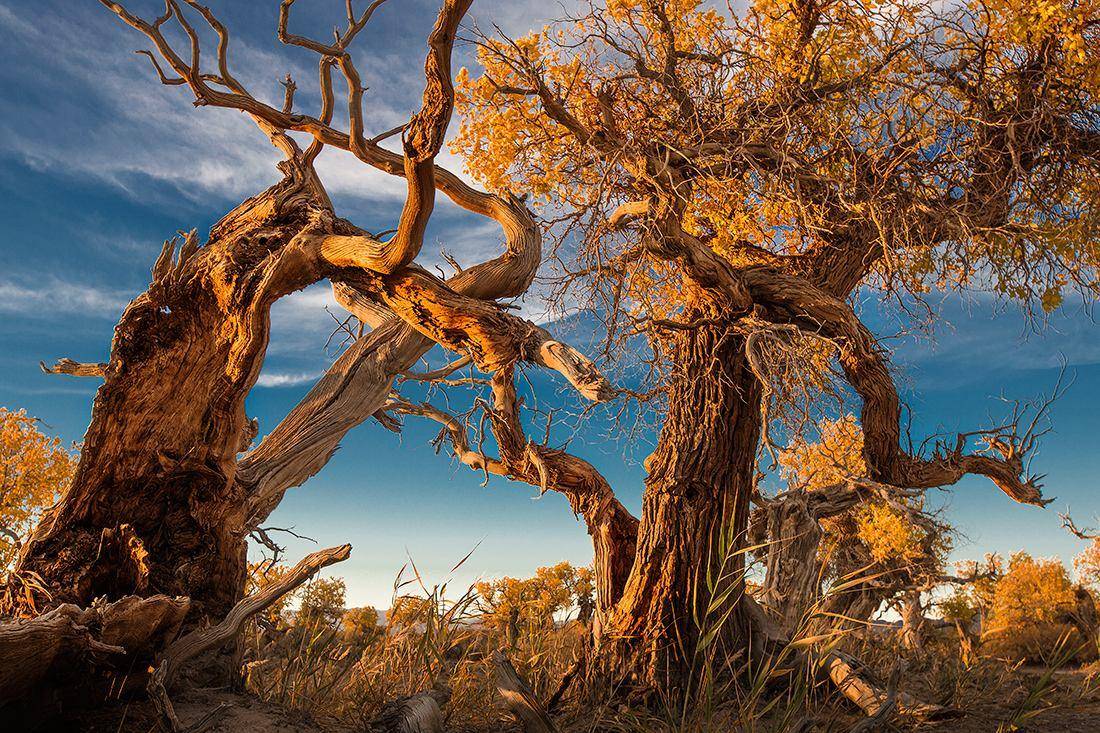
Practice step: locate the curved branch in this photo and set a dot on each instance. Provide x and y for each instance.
(612, 528)
(786, 299)
(492, 337)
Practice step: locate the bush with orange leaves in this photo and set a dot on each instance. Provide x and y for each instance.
(1026, 619)
(34, 470)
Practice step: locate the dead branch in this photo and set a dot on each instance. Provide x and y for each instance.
(75, 368)
(520, 698)
(1088, 533)
(871, 698)
(198, 642)
(612, 527)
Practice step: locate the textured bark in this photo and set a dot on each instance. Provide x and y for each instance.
(912, 620)
(154, 507)
(120, 635)
(520, 698)
(789, 536)
(695, 509)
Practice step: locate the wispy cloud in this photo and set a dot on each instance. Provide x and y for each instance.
(286, 379)
(54, 297)
(141, 130)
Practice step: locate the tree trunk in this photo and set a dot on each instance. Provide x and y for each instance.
(912, 621)
(695, 511)
(154, 507)
(791, 537)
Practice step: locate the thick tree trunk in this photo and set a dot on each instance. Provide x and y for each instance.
(695, 513)
(154, 507)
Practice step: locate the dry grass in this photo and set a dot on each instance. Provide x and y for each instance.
(323, 676)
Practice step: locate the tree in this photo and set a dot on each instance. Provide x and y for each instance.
(360, 625)
(162, 487)
(1026, 620)
(1087, 565)
(872, 542)
(512, 604)
(723, 184)
(410, 611)
(34, 470)
(322, 603)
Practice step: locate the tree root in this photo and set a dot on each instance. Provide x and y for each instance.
(33, 650)
(876, 702)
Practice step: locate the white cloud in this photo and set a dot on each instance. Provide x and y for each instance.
(155, 131)
(57, 296)
(286, 379)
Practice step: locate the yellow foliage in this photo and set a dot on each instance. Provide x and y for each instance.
(1031, 591)
(890, 534)
(410, 611)
(838, 455)
(1027, 603)
(513, 603)
(360, 624)
(260, 576)
(35, 470)
(322, 602)
(1087, 566)
(919, 130)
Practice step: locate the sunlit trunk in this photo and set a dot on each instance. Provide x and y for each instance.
(694, 513)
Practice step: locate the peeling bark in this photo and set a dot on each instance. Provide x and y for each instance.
(154, 507)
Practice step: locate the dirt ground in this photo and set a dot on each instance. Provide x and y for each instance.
(245, 714)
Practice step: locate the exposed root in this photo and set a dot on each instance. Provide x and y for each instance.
(33, 650)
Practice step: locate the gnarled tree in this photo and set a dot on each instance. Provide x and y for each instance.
(721, 181)
(163, 499)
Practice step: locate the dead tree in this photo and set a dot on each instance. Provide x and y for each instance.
(163, 500)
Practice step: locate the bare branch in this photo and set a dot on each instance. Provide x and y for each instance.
(75, 368)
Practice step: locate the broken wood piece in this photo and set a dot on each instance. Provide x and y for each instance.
(520, 698)
(75, 368)
(203, 640)
(420, 713)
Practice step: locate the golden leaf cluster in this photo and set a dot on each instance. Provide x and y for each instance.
(35, 470)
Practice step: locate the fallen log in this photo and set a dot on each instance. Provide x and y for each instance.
(420, 713)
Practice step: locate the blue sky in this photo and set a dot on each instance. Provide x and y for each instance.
(100, 164)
